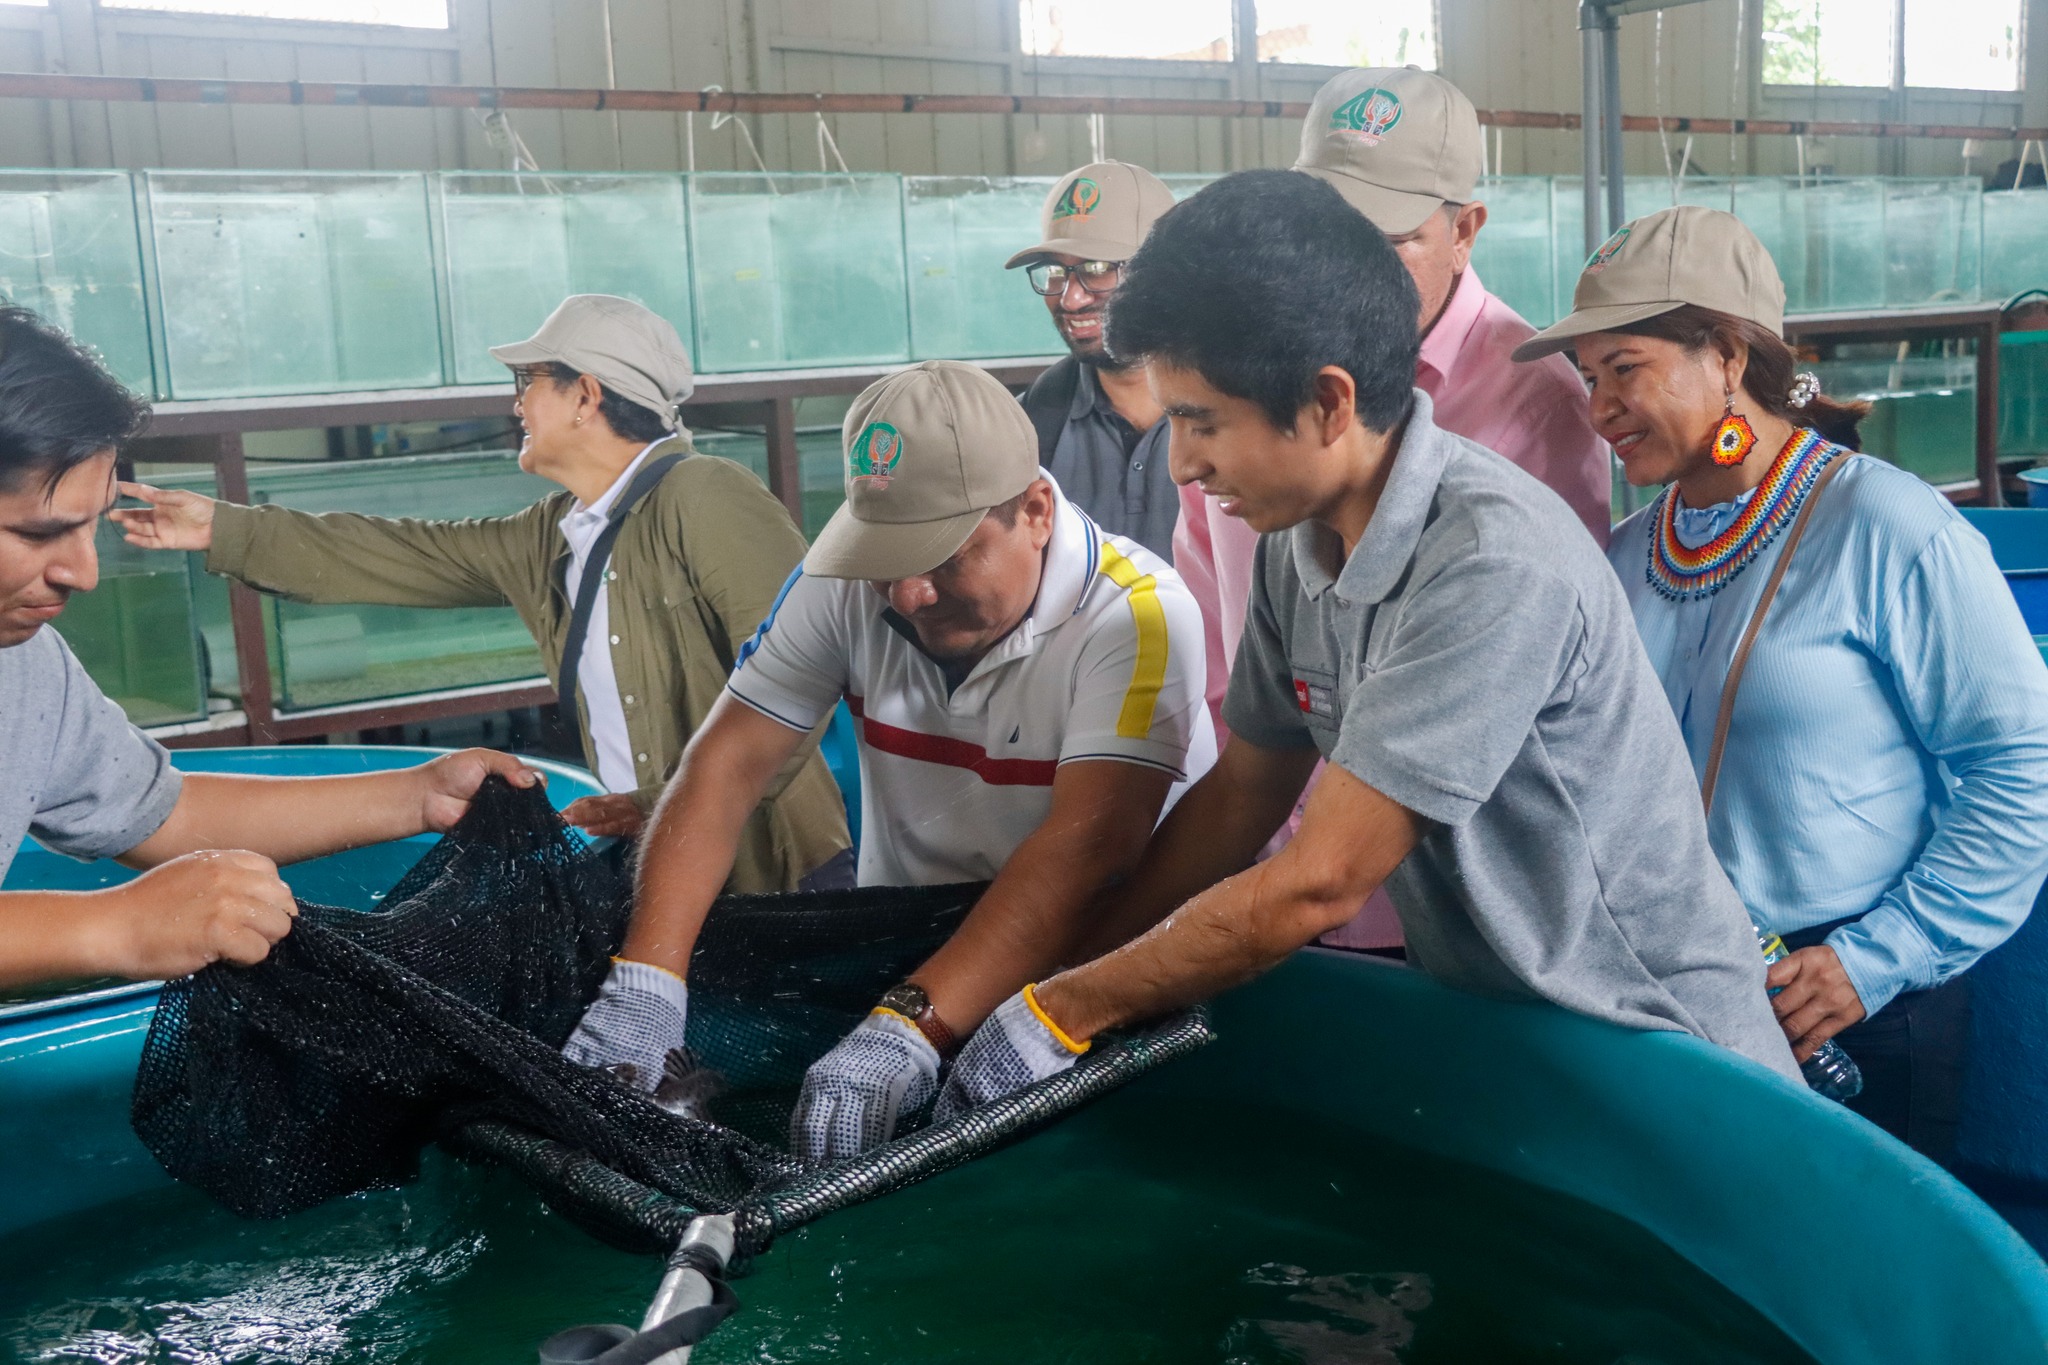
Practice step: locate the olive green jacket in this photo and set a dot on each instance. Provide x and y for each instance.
(696, 568)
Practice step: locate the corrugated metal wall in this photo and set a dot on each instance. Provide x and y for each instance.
(1511, 54)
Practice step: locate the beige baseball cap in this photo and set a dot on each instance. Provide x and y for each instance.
(1099, 213)
(928, 451)
(1663, 261)
(1398, 143)
(629, 348)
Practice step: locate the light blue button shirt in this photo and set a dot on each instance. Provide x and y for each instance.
(1888, 755)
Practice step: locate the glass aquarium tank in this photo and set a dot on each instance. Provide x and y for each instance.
(70, 249)
(2015, 242)
(1924, 413)
(137, 633)
(1516, 252)
(1933, 237)
(273, 283)
(2023, 394)
(959, 230)
(513, 246)
(798, 270)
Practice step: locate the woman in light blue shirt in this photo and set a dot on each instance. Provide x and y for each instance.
(1881, 799)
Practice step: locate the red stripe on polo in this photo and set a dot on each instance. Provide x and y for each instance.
(952, 753)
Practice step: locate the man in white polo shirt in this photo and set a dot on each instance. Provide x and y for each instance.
(1029, 691)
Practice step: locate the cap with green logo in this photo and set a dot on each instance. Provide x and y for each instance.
(928, 451)
(1099, 213)
(1397, 142)
(1663, 261)
(627, 347)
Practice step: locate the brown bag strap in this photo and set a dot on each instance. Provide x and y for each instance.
(1756, 624)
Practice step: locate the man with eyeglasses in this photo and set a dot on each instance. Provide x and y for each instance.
(641, 579)
(1100, 432)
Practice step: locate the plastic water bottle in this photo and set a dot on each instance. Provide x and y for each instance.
(1830, 1072)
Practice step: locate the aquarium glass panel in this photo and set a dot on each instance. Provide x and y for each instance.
(798, 270)
(2015, 242)
(1515, 253)
(1924, 413)
(1845, 245)
(963, 302)
(1933, 231)
(294, 283)
(515, 245)
(70, 249)
(137, 633)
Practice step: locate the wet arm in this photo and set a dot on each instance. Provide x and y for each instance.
(1351, 838)
(687, 852)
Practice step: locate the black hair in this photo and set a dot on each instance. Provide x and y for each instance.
(59, 406)
(628, 420)
(1262, 279)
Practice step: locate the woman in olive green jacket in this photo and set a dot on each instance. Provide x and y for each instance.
(696, 566)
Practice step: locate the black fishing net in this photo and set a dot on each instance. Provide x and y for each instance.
(328, 1067)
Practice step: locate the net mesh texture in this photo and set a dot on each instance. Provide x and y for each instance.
(363, 1037)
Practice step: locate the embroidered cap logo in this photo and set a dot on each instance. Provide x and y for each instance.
(1080, 199)
(874, 454)
(1369, 116)
(1597, 262)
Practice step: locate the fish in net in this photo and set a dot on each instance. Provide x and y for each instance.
(363, 1037)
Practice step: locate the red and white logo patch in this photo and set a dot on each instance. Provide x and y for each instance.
(1314, 700)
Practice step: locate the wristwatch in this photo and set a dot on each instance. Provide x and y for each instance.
(909, 1000)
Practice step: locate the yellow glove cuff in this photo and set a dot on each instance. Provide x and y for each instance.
(653, 965)
(1058, 1033)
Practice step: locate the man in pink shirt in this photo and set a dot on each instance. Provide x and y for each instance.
(1403, 148)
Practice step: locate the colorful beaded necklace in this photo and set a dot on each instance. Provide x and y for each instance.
(1682, 575)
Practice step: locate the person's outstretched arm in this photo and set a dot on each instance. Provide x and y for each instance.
(291, 819)
(343, 558)
(1352, 837)
(636, 1027)
(1215, 831)
(211, 891)
(695, 834)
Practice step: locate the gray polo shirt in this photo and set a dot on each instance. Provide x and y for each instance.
(1475, 660)
(78, 776)
(1114, 472)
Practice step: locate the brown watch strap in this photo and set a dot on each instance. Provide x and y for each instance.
(942, 1038)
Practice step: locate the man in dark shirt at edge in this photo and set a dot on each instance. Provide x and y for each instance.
(1100, 432)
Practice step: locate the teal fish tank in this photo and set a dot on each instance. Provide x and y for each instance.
(1365, 1167)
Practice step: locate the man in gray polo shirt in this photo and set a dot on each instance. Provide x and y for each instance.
(1439, 626)
(85, 782)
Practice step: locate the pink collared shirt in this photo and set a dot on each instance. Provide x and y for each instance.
(1536, 415)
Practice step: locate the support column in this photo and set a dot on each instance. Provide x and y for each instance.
(785, 470)
(1591, 66)
(1990, 492)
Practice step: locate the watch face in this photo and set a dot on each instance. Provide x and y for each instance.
(907, 1000)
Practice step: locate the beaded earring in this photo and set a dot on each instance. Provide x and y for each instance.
(1733, 439)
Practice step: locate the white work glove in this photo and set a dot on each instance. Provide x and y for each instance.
(854, 1095)
(634, 1024)
(1015, 1047)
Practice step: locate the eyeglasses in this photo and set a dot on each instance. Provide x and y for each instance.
(523, 375)
(1097, 277)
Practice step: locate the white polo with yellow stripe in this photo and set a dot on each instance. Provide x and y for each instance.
(1108, 665)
